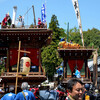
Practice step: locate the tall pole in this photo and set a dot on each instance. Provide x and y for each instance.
(17, 67)
(17, 75)
(68, 32)
(34, 15)
(76, 7)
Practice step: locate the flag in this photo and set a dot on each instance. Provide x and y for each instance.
(76, 8)
(43, 13)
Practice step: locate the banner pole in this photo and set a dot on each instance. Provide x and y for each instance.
(77, 12)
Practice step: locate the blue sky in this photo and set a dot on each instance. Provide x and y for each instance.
(63, 9)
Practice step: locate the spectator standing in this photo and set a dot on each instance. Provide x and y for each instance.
(9, 96)
(60, 74)
(25, 94)
(75, 89)
(97, 94)
(87, 94)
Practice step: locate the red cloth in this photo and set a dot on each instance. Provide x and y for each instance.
(80, 64)
(73, 63)
(60, 93)
(34, 56)
(39, 22)
(4, 22)
(36, 90)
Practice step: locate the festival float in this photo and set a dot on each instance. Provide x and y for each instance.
(76, 56)
(21, 49)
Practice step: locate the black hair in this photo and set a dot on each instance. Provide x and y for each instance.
(72, 82)
(87, 86)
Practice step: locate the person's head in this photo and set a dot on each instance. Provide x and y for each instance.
(96, 91)
(75, 89)
(7, 15)
(39, 19)
(59, 87)
(87, 86)
(11, 89)
(24, 86)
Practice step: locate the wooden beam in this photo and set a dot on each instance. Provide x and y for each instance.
(23, 51)
(17, 75)
(17, 67)
(7, 66)
(95, 70)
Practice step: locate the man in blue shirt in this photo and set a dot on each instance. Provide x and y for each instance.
(9, 96)
(60, 73)
(25, 94)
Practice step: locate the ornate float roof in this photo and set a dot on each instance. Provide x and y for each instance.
(32, 37)
(81, 53)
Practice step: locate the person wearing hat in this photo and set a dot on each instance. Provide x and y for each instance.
(9, 96)
(25, 94)
(87, 95)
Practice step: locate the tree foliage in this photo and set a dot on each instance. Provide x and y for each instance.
(50, 55)
(91, 38)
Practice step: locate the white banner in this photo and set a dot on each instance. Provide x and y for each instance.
(76, 8)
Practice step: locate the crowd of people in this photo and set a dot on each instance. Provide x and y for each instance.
(79, 91)
(75, 90)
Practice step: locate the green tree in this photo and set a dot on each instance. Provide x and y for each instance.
(50, 55)
(92, 39)
(74, 35)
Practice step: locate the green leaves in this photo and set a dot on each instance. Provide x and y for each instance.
(50, 55)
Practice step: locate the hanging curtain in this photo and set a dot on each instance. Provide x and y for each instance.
(34, 56)
(80, 64)
(72, 64)
(13, 56)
